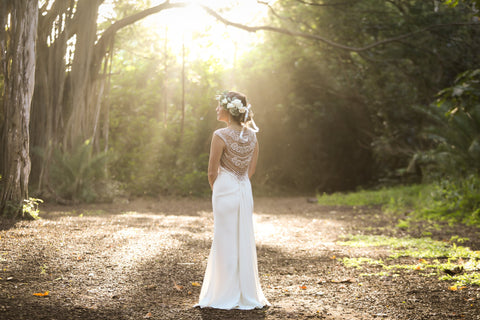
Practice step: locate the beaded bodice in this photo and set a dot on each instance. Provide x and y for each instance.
(238, 150)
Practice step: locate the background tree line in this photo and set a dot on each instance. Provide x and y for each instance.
(111, 115)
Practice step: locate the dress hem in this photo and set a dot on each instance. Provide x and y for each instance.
(236, 307)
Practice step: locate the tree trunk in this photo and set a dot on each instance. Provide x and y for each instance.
(182, 122)
(19, 79)
(83, 98)
(68, 102)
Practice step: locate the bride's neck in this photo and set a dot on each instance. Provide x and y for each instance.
(235, 126)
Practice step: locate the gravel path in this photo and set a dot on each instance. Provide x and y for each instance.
(145, 259)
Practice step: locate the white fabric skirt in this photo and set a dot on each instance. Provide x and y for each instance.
(231, 278)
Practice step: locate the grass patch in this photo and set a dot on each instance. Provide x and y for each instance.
(428, 251)
(414, 247)
(403, 224)
(393, 198)
(379, 274)
(453, 201)
(463, 279)
(357, 262)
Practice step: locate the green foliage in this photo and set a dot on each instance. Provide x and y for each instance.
(74, 174)
(403, 224)
(151, 155)
(393, 198)
(464, 279)
(458, 200)
(454, 3)
(307, 120)
(413, 247)
(428, 251)
(347, 118)
(454, 130)
(331, 120)
(357, 262)
(453, 160)
(30, 207)
(455, 199)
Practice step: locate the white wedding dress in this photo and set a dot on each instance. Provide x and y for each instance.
(231, 279)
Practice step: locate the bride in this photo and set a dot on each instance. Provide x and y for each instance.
(231, 278)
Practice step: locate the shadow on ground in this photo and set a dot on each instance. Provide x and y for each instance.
(147, 264)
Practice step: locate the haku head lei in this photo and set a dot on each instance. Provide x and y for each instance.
(235, 107)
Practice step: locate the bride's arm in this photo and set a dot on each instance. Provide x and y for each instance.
(216, 150)
(253, 163)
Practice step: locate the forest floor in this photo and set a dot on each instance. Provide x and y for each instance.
(145, 259)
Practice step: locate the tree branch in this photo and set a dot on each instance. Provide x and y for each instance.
(325, 40)
(326, 4)
(274, 12)
(110, 31)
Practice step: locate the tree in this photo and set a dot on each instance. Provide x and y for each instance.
(17, 45)
(74, 53)
(349, 112)
(71, 78)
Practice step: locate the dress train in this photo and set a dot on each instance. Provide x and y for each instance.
(231, 279)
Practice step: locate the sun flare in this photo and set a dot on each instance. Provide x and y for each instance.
(202, 35)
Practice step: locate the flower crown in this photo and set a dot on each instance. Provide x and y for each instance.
(236, 107)
(232, 105)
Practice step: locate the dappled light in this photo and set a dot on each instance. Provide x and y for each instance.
(130, 264)
(335, 89)
(202, 35)
(299, 236)
(354, 124)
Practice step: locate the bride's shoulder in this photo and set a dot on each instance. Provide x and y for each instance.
(220, 131)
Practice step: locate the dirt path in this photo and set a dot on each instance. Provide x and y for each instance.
(145, 260)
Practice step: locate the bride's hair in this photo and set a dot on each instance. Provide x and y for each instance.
(240, 118)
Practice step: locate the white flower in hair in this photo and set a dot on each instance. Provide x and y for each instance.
(237, 103)
(242, 109)
(224, 101)
(230, 106)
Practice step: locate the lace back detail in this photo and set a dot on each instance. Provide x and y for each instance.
(238, 150)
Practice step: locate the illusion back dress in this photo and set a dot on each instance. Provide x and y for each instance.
(231, 278)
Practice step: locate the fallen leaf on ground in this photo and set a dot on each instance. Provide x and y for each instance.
(455, 288)
(179, 288)
(303, 287)
(148, 315)
(349, 280)
(44, 294)
(196, 284)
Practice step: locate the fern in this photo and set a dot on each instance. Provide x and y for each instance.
(455, 127)
(74, 175)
